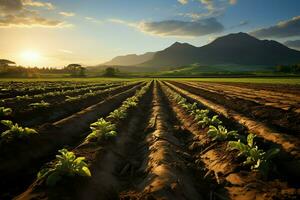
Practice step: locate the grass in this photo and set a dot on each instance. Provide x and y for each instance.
(271, 80)
(94, 79)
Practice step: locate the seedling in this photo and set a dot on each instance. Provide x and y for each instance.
(67, 165)
(25, 97)
(190, 107)
(41, 104)
(255, 157)
(199, 114)
(117, 114)
(71, 99)
(102, 128)
(220, 133)
(5, 111)
(206, 121)
(15, 131)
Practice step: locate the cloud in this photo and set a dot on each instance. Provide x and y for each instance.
(33, 3)
(283, 29)
(242, 23)
(183, 2)
(293, 44)
(65, 51)
(209, 4)
(177, 27)
(29, 19)
(15, 13)
(195, 16)
(10, 5)
(213, 8)
(91, 19)
(232, 2)
(67, 14)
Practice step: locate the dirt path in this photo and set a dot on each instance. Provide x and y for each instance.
(167, 174)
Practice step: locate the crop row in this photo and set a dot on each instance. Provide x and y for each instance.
(252, 156)
(64, 103)
(12, 89)
(54, 94)
(68, 166)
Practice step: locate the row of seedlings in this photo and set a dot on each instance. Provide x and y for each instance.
(12, 89)
(67, 99)
(43, 96)
(252, 156)
(12, 131)
(103, 130)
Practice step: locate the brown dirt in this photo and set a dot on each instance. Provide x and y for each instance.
(288, 142)
(239, 183)
(30, 155)
(61, 109)
(279, 115)
(160, 153)
(107, 161)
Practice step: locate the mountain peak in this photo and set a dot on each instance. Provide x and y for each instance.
(177, 45)
(241, 37)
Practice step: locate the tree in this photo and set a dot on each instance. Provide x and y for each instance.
(75, 69)
(6, 63)
(110, 72)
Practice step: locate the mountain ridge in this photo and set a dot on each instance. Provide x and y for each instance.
(236, 49)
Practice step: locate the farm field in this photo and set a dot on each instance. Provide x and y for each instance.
(150, 139)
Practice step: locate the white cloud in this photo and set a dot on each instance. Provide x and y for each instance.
(33, 3)
(65, 51)
(67, 14)
(183, 2)
(283, 29)
(92, 19)
(176, 27)
(232, 2)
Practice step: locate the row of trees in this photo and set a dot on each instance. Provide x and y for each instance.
(9, 68)
(294, 69)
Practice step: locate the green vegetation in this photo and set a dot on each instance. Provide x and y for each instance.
(67, 165)
(5, 111)
(110, 72)
(100, 129)
(15, 131)
(207, 121)
(220, 133)
(267, 80)
(41, 104)
(107, 128)
(255, 158)
(294, 69)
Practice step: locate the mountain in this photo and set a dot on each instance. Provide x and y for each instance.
(131, 59)
(232, 49)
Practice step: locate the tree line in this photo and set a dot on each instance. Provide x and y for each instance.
(10, 69)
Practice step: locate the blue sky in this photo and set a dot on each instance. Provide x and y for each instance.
(58, 32)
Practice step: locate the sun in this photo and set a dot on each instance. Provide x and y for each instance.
(31, 56)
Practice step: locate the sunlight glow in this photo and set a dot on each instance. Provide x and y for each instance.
(31, 56)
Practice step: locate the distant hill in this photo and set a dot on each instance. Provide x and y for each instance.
(233, 49)
(131, 59)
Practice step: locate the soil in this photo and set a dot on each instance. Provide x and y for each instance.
(160, 152)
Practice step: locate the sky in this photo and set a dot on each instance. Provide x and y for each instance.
(54, 33)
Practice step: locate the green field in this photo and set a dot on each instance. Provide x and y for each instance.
(270, 80)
